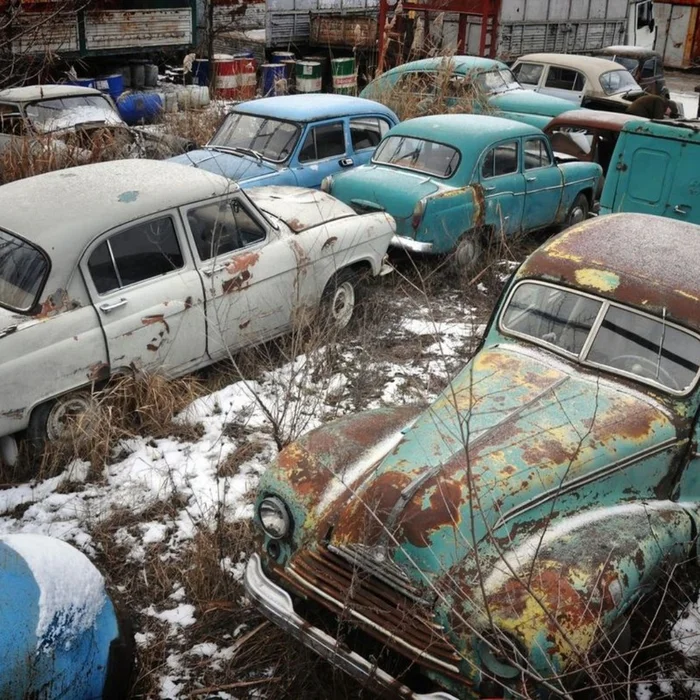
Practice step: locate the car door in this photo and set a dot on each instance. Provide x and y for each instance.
(504, 187)
(322, 151)
(543, 184)
(365, 135)
(567, 83)
(148, 296)
(247, 270)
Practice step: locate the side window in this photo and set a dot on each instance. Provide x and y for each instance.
(222, 227)
(564, 79)
(147, 250)
(11, 122)
(536, 154)
(367, 132)
(528, 73)
(573, 141)
(649, 68)
(501, 160)
(323, 142)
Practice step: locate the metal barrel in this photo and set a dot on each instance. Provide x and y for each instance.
(344, 76)
(308, 76)
(274, 79)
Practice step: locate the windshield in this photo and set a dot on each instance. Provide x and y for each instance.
(616, 81)
(68, 112)
(417, 154)
(273, 139)
(500, 80)
(600, 333)
(23, 270)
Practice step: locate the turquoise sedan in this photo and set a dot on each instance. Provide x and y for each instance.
(455, 181)
(485, 85)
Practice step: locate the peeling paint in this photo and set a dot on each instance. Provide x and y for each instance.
(602, 280)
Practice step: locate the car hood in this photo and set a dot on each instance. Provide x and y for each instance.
(530, 102)
(384, 188)
(529, 431)
(232, 166)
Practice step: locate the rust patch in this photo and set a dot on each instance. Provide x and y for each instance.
(13, 413)
(98, 372)
(156, 318)
(479, 205)
(242, 263)
(245, 324)
(188, 303)
(152, 347)
(237, 283)
(329, 242)
(418, 523)
(56, 303)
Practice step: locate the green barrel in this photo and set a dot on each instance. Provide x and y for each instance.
(344, 76)
(308, 76)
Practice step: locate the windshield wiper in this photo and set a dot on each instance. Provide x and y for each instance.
(235, 149)
(249, 152)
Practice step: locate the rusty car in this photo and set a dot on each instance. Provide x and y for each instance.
(159, 268)
(645, 65)
(587, 81)
(454, 181)
(74, 125)
(492, 543)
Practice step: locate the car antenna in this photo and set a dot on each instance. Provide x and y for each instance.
(661, 344)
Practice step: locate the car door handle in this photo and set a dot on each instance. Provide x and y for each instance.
(530, 179)
(346, 162)
(214, 270)
(681, 209)
(491, 188)
(114, 305)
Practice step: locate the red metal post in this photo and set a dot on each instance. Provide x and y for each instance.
(381, 48)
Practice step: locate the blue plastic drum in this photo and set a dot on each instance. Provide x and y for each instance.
(139, 107)
(274, 79)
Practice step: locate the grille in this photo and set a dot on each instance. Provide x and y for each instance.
(377, 608)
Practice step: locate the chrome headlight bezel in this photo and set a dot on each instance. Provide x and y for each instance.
(272, 508)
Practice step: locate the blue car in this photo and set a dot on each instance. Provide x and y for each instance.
(293, 139)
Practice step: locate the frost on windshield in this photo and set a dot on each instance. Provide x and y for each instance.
(68, 112)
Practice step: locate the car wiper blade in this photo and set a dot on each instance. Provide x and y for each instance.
(249, 152)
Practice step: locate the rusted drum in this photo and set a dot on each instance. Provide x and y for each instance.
(235, 77)
(59, 632)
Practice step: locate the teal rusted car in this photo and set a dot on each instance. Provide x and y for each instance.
(479, 85)
(453, 182)
(496, 542)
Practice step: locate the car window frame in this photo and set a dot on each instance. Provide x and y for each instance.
(595, 328)
(543, 69)
(416, 170)
(180, 234)
(252, 211)
(579, 73)
(491, 147)
(379, 117)
(311, 128)
(544, 140)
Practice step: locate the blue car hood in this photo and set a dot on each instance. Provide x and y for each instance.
(234, 167)
(531, 102)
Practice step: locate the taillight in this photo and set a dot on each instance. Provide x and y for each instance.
(418, 211)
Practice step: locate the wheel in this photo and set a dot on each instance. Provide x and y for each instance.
(578, 211)
(469, 252)
(340, 298)
(645, 367)
(49, 421)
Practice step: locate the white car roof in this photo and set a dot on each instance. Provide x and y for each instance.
(39, 92)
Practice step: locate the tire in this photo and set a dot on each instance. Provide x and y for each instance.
(469, 252)
(578, 211)
(340, 299)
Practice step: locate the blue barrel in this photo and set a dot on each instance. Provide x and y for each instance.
(111, 84)
(200, 71)
(274, 79)
(280, 56)
(83, 82)
(139, 107)
(60, 636)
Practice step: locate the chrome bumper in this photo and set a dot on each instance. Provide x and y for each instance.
(276, 604)
(411, 245)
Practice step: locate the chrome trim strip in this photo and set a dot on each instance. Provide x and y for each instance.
(410, 244)
(276, 604)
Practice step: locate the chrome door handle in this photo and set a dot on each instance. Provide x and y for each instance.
(490, 189)
(530, 179)
(345, 162)
(681, 209)
(214, 270)
(114, 305)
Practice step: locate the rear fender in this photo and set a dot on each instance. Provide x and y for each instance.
(449, 214)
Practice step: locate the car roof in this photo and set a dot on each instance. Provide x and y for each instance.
(678, 129)
(312, 107)
(593, 118)
(588, 64)
(626, 50)
(62, 211)
(649, 262)
(464, 130)
(458, 64)
(39, 92)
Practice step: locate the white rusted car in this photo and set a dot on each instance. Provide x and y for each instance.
(155, 266)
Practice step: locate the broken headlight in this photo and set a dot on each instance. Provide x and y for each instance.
(274, 517)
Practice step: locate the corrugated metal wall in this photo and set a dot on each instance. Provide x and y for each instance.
(36, 35)
(678, 37)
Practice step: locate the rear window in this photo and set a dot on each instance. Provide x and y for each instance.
(23, 271)
(417, 154)
(616, 81)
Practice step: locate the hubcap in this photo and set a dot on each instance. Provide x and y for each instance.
(343, 304)
(65, 410)
(577, 216)
(467, 253)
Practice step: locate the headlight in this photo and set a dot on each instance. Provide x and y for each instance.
(326, 184)
(274, 517)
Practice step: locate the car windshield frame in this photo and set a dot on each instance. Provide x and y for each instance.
(6, 238)
(506, 76)
(246, 149)
(596, 328)
(631, 86)
(422, 171)
(44, 122)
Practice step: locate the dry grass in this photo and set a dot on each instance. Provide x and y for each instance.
(197, 126)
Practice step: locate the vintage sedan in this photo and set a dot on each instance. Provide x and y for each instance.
(645, 65)
(293, 139)
(498, 541)
(76, 125)
(153, 266)
(453, 182)
(587, 81)
(462, 83)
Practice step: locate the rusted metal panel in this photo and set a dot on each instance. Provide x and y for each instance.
(119, 29)
(40, 33)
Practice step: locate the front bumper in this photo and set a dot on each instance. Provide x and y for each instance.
(276, 604)
(411, 245)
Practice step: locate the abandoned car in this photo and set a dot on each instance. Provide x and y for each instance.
(453, 181)
(587, 81)
(464, 84)
(645, 65)
(162, 268)
(73, 125)
(293, 139)
(489, 544)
